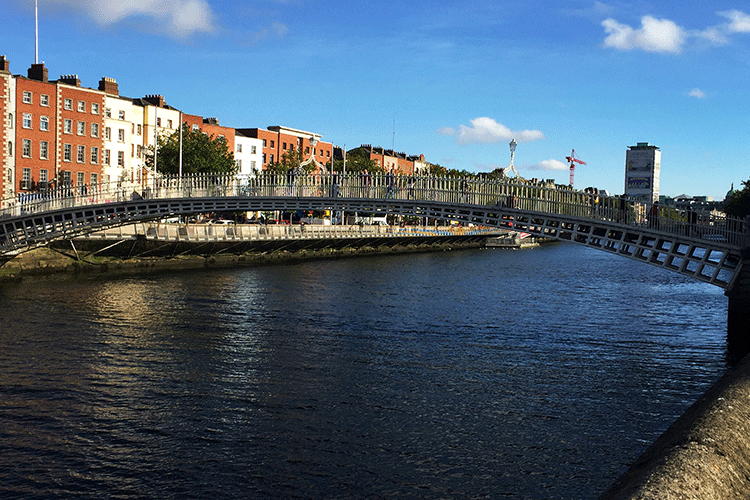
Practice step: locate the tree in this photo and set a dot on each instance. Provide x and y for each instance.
(739, 204)
(357, 160)
(201, 154)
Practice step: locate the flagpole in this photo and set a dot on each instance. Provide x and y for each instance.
(36, 31)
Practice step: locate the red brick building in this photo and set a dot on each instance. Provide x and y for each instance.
(391, 161)
(7, 122)
(277, 140)
(59, 132)
(211, 127)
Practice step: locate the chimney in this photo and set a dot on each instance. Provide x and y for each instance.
(4, 65)
(70, 80)
(38, 72)
(109, 86)
(156, 100)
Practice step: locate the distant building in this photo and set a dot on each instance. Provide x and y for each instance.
(642, 168)
(278, 140)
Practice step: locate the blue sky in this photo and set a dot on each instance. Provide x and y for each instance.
(453, 80)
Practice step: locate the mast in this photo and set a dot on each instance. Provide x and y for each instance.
(36, 31)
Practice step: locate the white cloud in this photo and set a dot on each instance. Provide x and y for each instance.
(175, 18)
(697, 93)
(739, 22)
(654, 35)
(485, 130)
(549, 165)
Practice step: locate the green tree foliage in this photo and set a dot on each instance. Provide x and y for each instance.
(739, 204)
(357, 160)
(290, 160)
(201, 154)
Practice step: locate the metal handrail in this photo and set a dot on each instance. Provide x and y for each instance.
(508, 193)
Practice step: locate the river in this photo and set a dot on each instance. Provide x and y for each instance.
(535, 374)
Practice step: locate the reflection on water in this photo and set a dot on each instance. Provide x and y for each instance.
(476, 374)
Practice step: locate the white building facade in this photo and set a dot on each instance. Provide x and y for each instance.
(642, 170)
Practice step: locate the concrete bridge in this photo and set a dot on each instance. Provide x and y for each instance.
(703, 246)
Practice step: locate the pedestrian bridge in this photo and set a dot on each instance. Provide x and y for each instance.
(700, 245)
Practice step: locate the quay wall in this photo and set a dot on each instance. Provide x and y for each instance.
(705, 454)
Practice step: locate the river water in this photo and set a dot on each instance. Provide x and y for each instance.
(528, 374)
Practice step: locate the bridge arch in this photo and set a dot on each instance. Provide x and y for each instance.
(710, 252)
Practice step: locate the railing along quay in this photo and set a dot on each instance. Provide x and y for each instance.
(261, 232)
(510, 194)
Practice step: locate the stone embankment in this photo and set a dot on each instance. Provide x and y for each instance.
(705, 454)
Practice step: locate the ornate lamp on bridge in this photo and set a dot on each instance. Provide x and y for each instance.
(313, 142)
(512, 168)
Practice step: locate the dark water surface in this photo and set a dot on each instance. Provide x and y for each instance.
(475, 374)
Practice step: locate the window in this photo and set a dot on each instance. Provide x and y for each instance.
(283, 147)
(253, 150)
(94, 130)
(139, 129)
(94, 179)
(272, 144)
(94, 155)
(169, 123)
(26, 97)
(238, 164)
(27, 120)
(26, 178)
(44, 123)
(107, 154)
(67, 126)
(264, 143)
(108, 133)
(43, 177)
(68, 104)
(65, 177)
(132, 128)
(108, 112)
(44, 150)
(121, 158)
(81, 128)
(80, 178)
(67, 152)
(44, 100)
(121, 114)
(252, 165)
(158, 122)
(10, 116)
(195, 127)
(81, 154)
(121, 135)
(94, 108)
(239, 148)
(26, 148)
(82, 106)
(10, 148)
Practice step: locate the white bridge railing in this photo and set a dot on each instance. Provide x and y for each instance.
(507, 194)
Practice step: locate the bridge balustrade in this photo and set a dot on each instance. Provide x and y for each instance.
(508, 194)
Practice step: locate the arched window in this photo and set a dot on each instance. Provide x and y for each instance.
(10, 148)
(11, 120)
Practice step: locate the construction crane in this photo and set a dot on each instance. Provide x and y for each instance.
(573, 160)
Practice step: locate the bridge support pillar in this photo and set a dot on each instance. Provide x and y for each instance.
(738, 311)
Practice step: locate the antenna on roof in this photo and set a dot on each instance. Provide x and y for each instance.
(36, 31)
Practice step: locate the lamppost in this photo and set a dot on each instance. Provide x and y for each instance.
(513, 145)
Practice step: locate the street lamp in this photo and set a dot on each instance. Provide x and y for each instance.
(513, 145)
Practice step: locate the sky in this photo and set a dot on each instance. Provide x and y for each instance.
(454, 80)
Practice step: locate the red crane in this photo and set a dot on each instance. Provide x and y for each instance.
(573, 160)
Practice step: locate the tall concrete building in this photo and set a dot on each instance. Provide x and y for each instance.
(642, 167)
